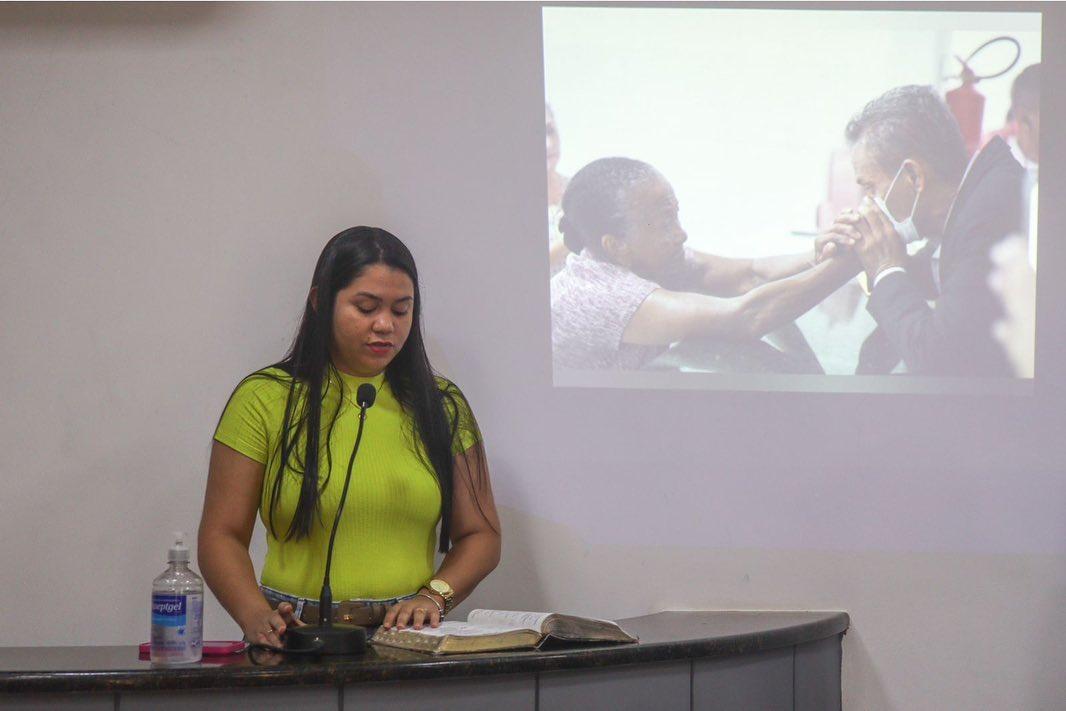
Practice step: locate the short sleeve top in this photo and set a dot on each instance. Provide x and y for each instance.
(386, 538)
(592, 302)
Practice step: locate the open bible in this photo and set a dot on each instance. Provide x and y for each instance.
(499, 630)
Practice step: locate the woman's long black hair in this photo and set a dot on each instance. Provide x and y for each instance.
(436, 407)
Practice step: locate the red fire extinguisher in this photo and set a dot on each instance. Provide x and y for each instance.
(967, 103)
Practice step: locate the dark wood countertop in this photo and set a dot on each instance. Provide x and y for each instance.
(663, 636)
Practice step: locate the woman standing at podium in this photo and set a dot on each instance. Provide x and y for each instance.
(283, 445)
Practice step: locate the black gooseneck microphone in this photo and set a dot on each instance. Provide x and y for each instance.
(325, 637)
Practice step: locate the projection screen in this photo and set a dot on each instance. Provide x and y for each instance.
(725, 186)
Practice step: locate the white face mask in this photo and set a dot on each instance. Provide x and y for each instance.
(905, 228)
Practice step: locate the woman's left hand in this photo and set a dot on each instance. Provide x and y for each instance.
(417, 612)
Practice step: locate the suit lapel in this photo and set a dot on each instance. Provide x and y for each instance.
(983, 162)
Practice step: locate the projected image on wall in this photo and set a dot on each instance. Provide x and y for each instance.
(791, 199)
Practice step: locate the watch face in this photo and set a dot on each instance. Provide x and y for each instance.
(440, 587)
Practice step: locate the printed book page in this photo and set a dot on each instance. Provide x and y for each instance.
(512, 619)
(466, 629)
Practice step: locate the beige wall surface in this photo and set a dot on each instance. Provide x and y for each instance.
(168, 175)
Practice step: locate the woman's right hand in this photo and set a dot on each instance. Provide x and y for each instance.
(267, 626)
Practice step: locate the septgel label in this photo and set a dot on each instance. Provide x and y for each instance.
(169, 610)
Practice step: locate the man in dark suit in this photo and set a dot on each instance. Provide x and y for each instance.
(911, 164)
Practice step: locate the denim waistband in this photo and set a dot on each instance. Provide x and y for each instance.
(276, 596)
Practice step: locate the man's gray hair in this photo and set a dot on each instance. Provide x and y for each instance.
(910, 122)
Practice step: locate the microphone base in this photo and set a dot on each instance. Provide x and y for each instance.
(335, 639)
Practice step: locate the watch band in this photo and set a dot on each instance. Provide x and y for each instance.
(444, 589)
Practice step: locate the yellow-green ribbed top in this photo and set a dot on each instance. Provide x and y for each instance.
(387, 533)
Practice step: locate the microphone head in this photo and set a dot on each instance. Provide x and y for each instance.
(365, 395)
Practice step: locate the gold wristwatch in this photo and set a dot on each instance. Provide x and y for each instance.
(444, 590)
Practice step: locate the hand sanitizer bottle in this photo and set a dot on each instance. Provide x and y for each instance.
(177, 610)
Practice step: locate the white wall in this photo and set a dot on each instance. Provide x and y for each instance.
(167, 178)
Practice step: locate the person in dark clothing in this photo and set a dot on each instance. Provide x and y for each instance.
(911, 164)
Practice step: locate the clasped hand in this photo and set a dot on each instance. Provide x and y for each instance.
(869, 234)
